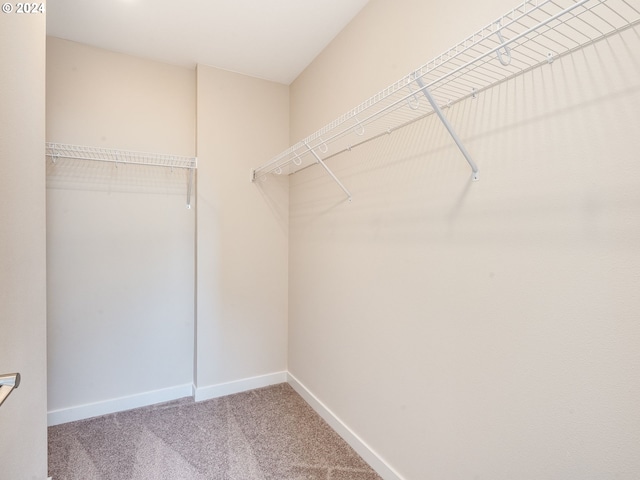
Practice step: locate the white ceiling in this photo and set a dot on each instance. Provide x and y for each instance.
(269, 39)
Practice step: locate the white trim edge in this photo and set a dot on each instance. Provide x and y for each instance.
(238, 386)
(365, 451)
(81, 412)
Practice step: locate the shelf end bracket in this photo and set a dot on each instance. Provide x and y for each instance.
(189, 187)
(8, 382)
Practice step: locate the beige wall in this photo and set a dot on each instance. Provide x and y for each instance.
(23, 434)
(242, 230)
(474, 330)
(481, 330)
(122, 245)
(120, 240)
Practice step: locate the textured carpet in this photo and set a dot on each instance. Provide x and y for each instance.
(265, 434)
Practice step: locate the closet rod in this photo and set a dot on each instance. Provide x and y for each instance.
(100, 154)
(504, 44)
(56, 151)
(418, 76)
(532, 34)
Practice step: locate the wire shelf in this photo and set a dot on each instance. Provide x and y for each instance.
(78, 152)
(532, 34)
(98, 154)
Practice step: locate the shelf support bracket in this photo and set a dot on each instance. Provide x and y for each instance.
(324, 165)
(452, 132)
(190, 187)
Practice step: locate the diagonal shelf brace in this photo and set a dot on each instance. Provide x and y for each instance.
(452, 132)
(324, 165)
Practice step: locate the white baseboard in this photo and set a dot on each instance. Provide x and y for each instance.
(362, 449)
(223, 389)
(80, 412)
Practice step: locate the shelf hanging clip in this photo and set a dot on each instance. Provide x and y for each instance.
(507, 50)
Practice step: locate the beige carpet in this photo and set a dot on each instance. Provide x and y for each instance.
(264, 434)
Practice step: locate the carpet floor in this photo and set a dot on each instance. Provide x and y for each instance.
(265, 434)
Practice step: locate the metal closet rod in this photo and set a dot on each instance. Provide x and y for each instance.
(126, 157)
(417, 77)
(100, 154)
(451, 103)
(465, 70)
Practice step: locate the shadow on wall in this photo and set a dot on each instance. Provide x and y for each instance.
(275, 194)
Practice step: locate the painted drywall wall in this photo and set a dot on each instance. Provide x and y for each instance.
(23, 421)
(242, 232)
(120, 240)
(474, 330)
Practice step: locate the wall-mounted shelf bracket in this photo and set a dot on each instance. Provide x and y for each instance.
(190, 187)
(8, 383)
(445, 121)
(328, 170)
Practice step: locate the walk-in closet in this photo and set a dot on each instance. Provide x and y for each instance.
(366, 239)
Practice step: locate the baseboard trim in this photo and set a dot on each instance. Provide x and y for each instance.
(365, 451)
(238, 386)
(81, 412)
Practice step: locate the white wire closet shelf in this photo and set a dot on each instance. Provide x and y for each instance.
(534, 33)
(56, 151)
